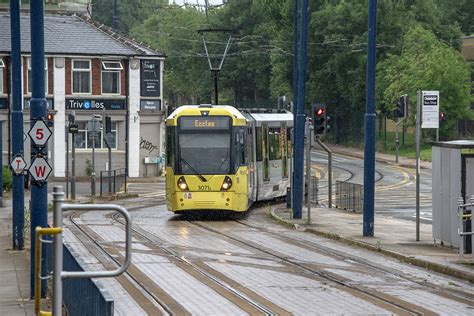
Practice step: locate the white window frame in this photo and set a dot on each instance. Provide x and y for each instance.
(107, 68)
(102, 143)
(2, 65)
(28, 75)
(89, 70)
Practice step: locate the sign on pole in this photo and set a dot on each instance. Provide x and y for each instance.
(18, 164)
(430, 111)
(73, 128)
(40, 169)
(40, 133)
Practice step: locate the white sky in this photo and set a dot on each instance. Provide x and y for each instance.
(196, 1)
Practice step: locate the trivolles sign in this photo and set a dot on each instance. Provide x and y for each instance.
(95, 104)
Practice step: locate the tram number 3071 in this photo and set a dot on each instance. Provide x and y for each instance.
(204, 188)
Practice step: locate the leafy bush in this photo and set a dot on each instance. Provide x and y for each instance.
(7, 178)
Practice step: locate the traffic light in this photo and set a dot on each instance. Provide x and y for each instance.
(50, 119)
(442, 117)
(320, 119)
(71, 117)
(402, 107)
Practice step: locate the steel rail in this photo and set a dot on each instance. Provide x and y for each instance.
(318, 273)
(136, 280)
(215, 279)
(342, 255)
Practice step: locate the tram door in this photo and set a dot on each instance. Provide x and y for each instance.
(284, 151)
(250, 159)
(266, 162)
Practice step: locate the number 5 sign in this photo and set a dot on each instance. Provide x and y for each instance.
(40, 133)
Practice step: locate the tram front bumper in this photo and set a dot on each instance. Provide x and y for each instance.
(188, 200)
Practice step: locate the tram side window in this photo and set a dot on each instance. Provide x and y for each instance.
(170, 146)
(259, 144)
(239, 147)
(274, 142)
(290, 144)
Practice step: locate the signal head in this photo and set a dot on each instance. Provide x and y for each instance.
(50, 119)
(442, 116)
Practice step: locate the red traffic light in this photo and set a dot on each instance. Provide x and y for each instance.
(442, 116)
(320, 112)
(50, 119)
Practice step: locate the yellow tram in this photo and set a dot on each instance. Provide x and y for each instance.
(220, 158)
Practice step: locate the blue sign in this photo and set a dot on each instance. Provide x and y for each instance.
(95, 104)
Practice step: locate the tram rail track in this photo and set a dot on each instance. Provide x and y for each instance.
(222, 284)
(366, 294)
(227, 287)
(142, 283)
(403, 306)
(452, 293)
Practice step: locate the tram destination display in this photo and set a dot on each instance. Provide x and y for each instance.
(204, 123)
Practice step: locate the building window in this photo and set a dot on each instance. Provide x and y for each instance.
(111, 77)
(86, 138)
(29, 86)
(81, 76)
(2, 65)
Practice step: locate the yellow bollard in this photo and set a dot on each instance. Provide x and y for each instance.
(38, 251)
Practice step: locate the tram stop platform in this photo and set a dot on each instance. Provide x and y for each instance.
(393, 237)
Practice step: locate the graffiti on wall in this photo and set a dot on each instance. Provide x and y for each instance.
(147, 145)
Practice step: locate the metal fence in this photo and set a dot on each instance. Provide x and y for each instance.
(82, 296)
(349, 196)
(114, 182)
(314, 189)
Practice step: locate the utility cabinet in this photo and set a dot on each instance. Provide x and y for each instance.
(452, 178)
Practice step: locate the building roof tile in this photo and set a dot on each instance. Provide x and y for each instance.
(73, 35)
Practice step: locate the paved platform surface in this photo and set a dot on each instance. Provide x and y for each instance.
(14, 270)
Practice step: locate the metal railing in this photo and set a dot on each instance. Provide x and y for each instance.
(465, 218)
(58, 273)
(349, 196)
(112, 181)
(38, 254)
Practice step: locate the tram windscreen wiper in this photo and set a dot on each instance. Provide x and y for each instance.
(194, 170)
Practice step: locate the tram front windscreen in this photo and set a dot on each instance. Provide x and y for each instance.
(204, 145)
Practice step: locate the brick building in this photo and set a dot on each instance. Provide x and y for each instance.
(92, 71)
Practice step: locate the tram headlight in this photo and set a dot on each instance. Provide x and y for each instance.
(227, 184)
(182, 185)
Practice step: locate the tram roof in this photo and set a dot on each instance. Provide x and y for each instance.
(271, 117)
(212, 109)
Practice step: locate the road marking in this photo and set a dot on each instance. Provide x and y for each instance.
(152, 194)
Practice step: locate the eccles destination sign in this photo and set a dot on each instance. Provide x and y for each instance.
(95, 104)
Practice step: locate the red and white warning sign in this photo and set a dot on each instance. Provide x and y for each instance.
(40, 169)
(18, 164)
(39, 133)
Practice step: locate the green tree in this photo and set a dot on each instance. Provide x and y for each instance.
(174, 32)
(426, 63)
(131, 13)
